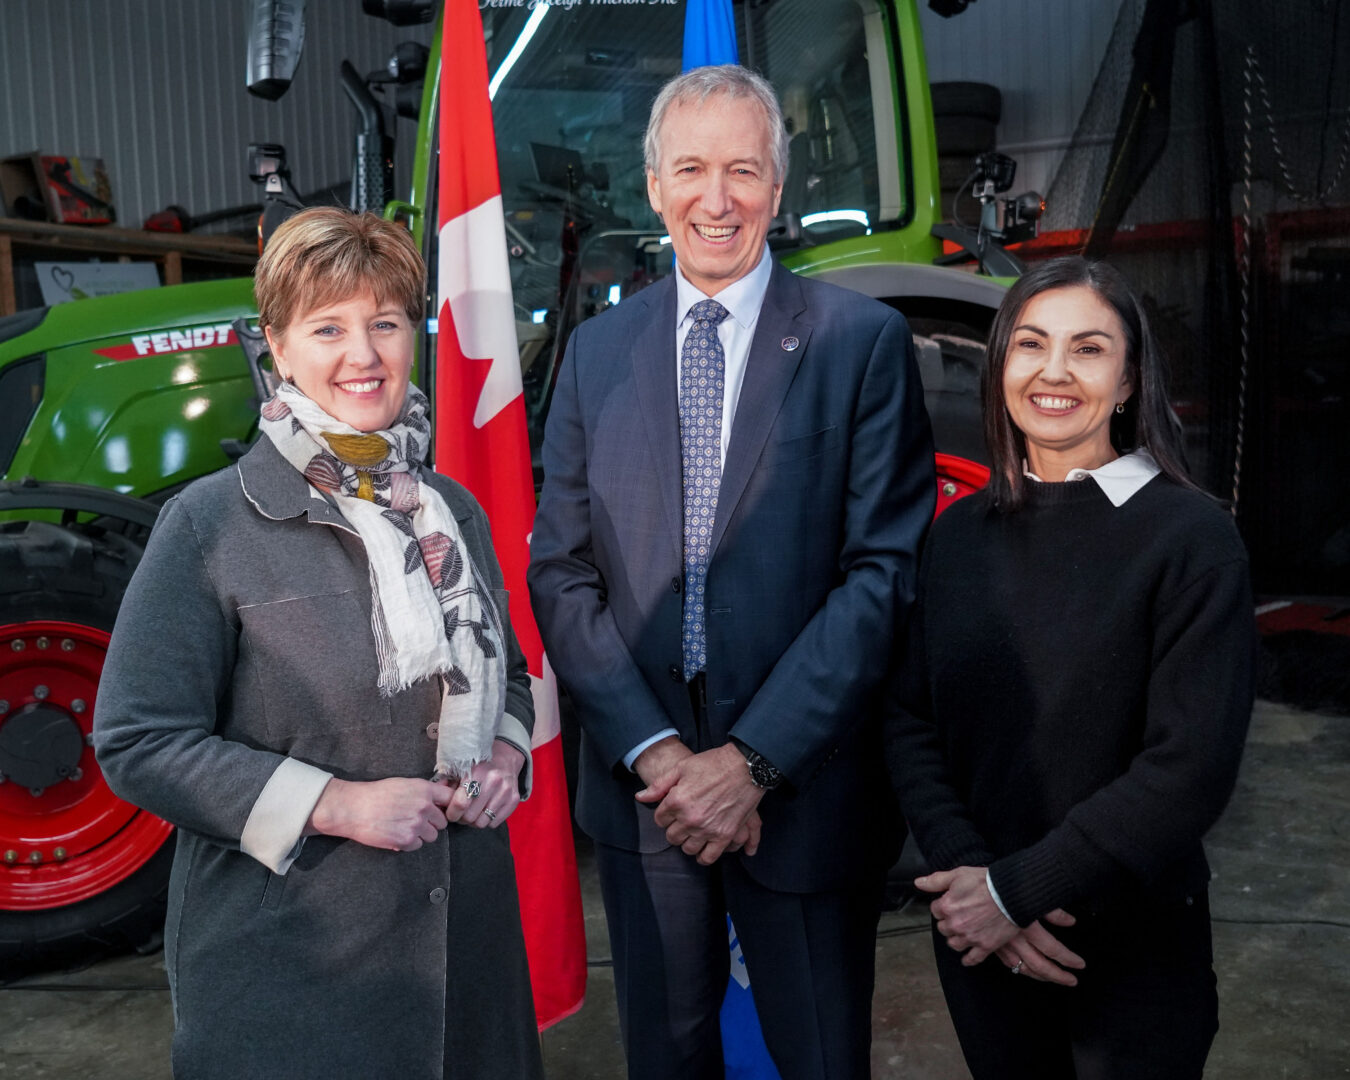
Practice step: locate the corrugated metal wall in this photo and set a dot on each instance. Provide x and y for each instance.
(1043, 55)
(156, 89)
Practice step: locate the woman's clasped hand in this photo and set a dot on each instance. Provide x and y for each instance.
(971, 922)
(397, 814)
(402, 813)
(491, 791)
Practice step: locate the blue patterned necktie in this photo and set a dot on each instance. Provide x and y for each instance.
(702, 381)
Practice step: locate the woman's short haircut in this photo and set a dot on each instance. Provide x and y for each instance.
(326, 255)
(697, 86)
(1148, 422)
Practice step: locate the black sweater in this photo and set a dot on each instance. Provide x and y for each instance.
(1076, 692)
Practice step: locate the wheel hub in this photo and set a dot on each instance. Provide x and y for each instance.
(40, 745)
(64, 836)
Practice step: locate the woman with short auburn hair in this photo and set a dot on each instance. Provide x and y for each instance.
(314, 677)
(328, 254)
(1070, 713)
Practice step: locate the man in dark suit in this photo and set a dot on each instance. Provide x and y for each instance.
(738, 471)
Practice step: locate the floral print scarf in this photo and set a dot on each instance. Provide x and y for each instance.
(430, 611)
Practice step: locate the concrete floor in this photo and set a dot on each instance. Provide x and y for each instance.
(1281, 901)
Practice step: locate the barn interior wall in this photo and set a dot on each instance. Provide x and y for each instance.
(156, 89)
(1042, 54)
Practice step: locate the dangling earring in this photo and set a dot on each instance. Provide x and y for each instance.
(1120, 408)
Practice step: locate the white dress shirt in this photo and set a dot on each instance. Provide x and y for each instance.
(743, 299)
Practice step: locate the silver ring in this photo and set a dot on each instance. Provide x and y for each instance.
(491, 815)
(1016, 969)
(473, 789)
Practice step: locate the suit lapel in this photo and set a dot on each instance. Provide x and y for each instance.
(768, 374)
(658, 396)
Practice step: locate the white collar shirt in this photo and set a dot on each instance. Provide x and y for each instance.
(743, 299)
(1120, 479)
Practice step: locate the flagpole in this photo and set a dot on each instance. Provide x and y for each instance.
(482, 442)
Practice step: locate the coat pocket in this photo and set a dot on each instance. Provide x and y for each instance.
(314, 658)
(799, 447)
(272, 891)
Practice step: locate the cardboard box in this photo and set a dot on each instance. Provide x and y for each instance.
(21, 189)
(73, 190)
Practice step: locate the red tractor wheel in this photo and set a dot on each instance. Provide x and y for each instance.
(81, 871)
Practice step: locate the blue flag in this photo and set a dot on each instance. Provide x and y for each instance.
(744, 1054)
(709, 34)
(710, 38)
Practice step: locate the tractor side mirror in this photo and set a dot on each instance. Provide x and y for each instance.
(408, 64)
(405, 69)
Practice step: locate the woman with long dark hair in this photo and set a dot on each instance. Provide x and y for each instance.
(1071, 712)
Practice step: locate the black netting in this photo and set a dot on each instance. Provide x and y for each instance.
(1212, 164)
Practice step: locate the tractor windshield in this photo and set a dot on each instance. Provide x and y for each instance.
(572, 83)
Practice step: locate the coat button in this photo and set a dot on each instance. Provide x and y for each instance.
(676, 584)
(676, 674)
(433, 731)
(437, 895)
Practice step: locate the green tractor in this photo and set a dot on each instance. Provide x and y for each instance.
(110, 405)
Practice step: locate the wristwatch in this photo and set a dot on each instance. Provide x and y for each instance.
(762, 772)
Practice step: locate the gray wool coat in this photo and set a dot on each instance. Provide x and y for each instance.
(244, 638)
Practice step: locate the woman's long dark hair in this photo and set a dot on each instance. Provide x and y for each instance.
(1148, 422)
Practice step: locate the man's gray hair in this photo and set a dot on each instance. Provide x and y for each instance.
(701, 83)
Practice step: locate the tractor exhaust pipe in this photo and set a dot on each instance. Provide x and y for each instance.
(373, 170)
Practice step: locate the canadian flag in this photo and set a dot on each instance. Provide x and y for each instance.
(481, 441)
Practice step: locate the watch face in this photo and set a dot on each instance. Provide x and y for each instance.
(763, 774)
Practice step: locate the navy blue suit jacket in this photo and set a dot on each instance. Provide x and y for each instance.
(826, 491)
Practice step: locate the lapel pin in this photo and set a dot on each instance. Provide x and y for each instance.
(790, 343)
